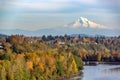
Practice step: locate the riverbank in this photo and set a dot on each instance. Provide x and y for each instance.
(69, 76)
(96, 63)
(87, 63)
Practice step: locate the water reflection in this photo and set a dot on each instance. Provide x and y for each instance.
(100, 72)
(113, 70)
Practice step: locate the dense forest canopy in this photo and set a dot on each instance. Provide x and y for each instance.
(51, 57)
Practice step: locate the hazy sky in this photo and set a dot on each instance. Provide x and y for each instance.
(39, 14)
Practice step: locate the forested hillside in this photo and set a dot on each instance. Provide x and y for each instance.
(52, 57)
(30, 58)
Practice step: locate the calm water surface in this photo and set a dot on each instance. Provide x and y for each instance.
(100, 72)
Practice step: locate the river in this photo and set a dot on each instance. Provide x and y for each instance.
(100, 72)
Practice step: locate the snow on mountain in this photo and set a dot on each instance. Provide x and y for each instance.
(80, 26)
(84, 22)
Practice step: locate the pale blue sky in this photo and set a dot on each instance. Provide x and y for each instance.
(39, 14)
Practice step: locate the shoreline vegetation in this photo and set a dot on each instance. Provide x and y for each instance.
(53, 57)
(70, 76)
(97, 63)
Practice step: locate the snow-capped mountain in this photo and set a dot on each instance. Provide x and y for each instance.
(84, 22)
(80, 26)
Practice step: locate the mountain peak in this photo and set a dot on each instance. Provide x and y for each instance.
(84, 22)
(83, 19)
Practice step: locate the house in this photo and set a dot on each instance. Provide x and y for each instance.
(1, 46)
(61, 43)
(32, 39)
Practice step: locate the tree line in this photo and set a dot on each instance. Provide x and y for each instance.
(30, 58)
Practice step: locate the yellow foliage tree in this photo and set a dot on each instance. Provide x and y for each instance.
(29, 65)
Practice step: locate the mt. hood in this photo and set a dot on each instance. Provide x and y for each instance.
(80, 26)
(84, 22)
